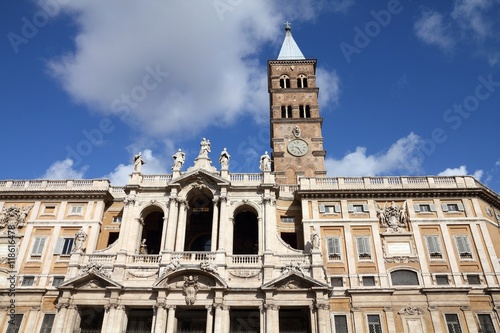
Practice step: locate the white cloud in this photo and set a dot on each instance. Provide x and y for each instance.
(64, 170)
(402, 156)
(431, 29)
(470, 16)
(497, 163)
(153, 166)
(329, 82)
(203, 53)
(461, 171)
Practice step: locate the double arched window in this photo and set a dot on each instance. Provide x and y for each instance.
(284, 81)
(301, 81)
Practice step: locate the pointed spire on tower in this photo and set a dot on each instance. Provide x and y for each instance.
(290, 50)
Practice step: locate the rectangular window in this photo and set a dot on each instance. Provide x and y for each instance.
(452, 207)
(47, 323)
(337, 281)
(287, 219)
(442, 280)
(117, 219)
(424, 208)
(463, 247)
(452, 323)
(340, 322)
(28, 281)
(64, 246)
(368, 281)
(333, 247)
(76, 210)
(14, 324)
(38, 245)
(486, 323)
(49, 209)
(374, 325)
(434, 247)
(329, 209)
(363, 246)
(57, 281)
(473, 279)
(357, 208)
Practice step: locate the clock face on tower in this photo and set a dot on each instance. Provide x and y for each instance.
(298, 147)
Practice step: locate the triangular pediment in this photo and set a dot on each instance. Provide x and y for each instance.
(294, 281)
(200, 176)
(90, 280)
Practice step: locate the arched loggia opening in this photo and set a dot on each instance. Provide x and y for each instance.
(246, 232)
(152, 231)
(199, 221)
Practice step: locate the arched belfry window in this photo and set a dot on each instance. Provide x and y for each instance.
(304, 111)
(404, 277)
(199, 221)
(301, 81)
(284, 81)
(152, 230)
(246, 232)
(286, 111)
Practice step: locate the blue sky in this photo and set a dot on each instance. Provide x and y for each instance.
(406, 87)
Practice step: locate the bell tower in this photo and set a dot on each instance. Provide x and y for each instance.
(296, 138)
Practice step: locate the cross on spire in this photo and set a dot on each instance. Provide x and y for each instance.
(288, 26)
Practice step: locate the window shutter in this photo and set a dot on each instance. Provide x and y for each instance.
(59, 246)
(433, 207)
(365, 208)
(336, 245)
(460, 207)
(321, 208)
(444, 207)
(433, 244)
(363, 246)
(350, 208)
(331, 245)
(337, 208)
(462, 244)
(416, 207)
(38, 246)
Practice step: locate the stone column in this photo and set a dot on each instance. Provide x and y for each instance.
(469, 319)
(32, 319)
(215, 224)
(171, 319)
(60, 318)
(173, 211)
(210, 319)
(436, 319)
(221, 320)
(323, 314)
(261, 235)
(389, 317)
(272, 318)
(269, 226)
(359, 325)
(181, 226)
(160, 318)
(71, 318)
(223, 222)
(313, 320)
(229, 233)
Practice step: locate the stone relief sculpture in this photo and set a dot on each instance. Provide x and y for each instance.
(190, 289)
(209, 267)
(179, 158)
(224, 159)
(14, 216)
(80, 238)
(138, 162)
(265, 162)
(393, 217)
(296, 131)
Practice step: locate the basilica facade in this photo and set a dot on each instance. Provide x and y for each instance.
(288, 249)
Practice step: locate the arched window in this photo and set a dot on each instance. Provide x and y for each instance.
(286, 111)
(246, 233)
(152, 231)
(198, 232)
(305, 111)
(301, 81)
(284, 82)
(404, 277)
